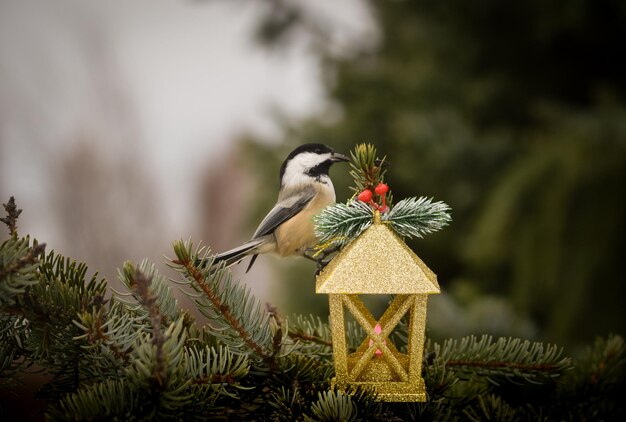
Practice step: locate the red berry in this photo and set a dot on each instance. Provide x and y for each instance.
(381, 189)
(365, 196)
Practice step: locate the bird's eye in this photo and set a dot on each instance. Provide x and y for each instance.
(318, 151)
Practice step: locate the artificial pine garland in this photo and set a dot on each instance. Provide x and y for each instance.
(339, 224)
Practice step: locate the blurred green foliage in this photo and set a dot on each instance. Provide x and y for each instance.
(514, 114)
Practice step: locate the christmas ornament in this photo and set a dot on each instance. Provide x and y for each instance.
(379, 262)
(376, 261)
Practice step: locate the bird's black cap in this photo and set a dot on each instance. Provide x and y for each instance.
(314, 148)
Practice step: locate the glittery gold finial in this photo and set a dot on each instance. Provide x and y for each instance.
(376, 217)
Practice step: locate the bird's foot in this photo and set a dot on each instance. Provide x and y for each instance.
(322, 259)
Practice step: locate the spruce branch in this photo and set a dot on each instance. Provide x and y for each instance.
(415, 217)
(13, 335)
(51, 306)
(511, 358)
(109, 400)
(277, 340)
(141, 285)
(165, 300)
(101, 329)
(333, 406)
(311, 334)
(286, 402)
(157, 372)
(596, 383)
(228, 304)
(12, 214)
(605, 360)
(215, 371)
(18, 264)
(31, 257)
(490, 407)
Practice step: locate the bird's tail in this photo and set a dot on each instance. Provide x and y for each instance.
(234, 255)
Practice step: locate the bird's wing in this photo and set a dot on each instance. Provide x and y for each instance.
(283, 211)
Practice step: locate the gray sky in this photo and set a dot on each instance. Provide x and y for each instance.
(167, 85)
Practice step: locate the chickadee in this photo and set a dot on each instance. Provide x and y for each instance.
(305, 189)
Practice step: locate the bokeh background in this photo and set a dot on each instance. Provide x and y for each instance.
(127, 125)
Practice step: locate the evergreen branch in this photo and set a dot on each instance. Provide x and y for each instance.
(490, 407)
(165, 300)
(508, 357)
(605, 360)
(311, 331)
(98, 331)
(108, 400)
(242, 313)
(315, 338)
(31, 257)
(415, 217)
(18, 264)
(211, 370)
(287, 403)
(340, 223)
(141, 285)
(160, 379)
(301, 370)
(312, 339)
(13, 334)
(277, 340)
(51, 306)
(12, 214)
(333, 406)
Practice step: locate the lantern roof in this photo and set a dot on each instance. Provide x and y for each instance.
(377, 262)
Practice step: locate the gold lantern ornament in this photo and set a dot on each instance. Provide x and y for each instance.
(378, 262)
(375, 260)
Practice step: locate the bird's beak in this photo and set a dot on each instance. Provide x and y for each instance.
(339, 157)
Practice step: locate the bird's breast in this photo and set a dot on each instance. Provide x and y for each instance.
(295, 235)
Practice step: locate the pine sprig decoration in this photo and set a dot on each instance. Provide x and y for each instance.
(365, 168)
(338, 224)
(416, 217)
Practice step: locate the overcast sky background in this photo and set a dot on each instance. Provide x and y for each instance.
(166, 85)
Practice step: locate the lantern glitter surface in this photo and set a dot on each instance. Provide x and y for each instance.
(379, 262)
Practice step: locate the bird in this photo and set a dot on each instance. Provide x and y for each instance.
(287, 230)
